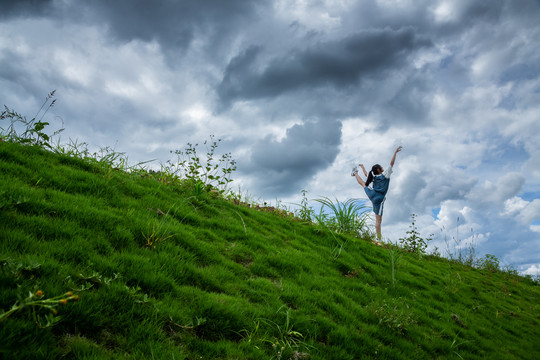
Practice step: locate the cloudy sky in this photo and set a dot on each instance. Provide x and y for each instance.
(300, 91)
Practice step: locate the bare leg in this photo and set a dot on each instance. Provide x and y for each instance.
(360, 181)
(378, 221)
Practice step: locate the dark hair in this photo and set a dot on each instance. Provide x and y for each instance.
(375, 170)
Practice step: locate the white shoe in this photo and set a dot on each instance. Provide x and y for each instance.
(354, 171)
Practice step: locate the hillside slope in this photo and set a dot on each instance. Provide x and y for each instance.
(99, 263)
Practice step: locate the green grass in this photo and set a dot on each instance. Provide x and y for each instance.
(163, 272)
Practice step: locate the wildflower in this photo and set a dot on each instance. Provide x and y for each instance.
(39, 293)
(74, 297)
(63, 301)
(69, 293)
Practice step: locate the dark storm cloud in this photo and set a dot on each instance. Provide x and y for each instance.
(174, 23)
(283, 166)
(472, 13)
(23, 82)
(340, 63)
(409, 105)
(24, 8)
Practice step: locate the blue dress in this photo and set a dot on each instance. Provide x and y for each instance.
(377, 195)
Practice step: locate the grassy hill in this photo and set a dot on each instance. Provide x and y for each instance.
(99, 263)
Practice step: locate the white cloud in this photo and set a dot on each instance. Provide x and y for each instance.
(531, 212)
(497, 193)
(514, 205)
(526, 212)
(444, 11)
(533, 270)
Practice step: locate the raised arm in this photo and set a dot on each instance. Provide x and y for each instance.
(394, 157)
(363, 169)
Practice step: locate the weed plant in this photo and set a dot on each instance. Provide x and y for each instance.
(211, 172)
(467, 255)
(36, 301)
(304, 211)
(414, 242)
(29, 132)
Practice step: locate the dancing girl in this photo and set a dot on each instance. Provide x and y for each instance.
(377, 193)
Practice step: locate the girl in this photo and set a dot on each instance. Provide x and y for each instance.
(377, 194)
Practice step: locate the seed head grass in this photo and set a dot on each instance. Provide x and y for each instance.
(151, 270)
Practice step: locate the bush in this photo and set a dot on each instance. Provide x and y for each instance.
(489, 262)
(413, 242)
(209, 173)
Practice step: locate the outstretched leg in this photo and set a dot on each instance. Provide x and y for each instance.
(359, 179)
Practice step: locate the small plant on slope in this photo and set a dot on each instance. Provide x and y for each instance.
(394, 254)
(212, 172)
(285, 338)
(489, 262)
(36, 301)
(32, 130)
(305, 212)
(394, 314)
(157, 230)
(413, 241)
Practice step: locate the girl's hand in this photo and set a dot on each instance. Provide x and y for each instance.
(363, 169)
(394, 157)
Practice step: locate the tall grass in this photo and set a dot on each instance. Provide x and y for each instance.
(394, 254)
(347, 217)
